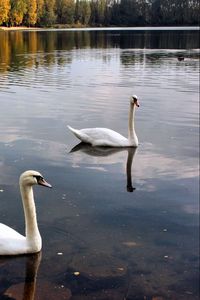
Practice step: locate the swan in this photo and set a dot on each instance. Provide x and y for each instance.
(107, 137)
(12, 242)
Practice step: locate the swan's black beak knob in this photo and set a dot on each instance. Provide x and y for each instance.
(43, 182)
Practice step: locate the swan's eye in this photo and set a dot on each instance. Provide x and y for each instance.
(38, 178)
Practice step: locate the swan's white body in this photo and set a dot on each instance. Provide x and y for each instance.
(107, 137)
(12, 242)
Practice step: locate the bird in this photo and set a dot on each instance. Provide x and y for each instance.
(180, 58)
(109, 138)
(12, 242)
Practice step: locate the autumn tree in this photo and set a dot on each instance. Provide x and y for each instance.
(4, 11)
(17, 11)
(31, 13)
(100, 12)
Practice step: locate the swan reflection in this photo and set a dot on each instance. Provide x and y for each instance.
(26, 290)
(106, 151)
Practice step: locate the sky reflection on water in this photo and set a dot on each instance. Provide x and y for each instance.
(124, 242)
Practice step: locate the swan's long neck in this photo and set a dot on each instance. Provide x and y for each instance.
(132, 137)
(32, 232)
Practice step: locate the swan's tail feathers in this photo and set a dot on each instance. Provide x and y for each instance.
(75, 132)
(71, 128)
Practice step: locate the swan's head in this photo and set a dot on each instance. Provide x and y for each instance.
(32, 178)
(134, 100)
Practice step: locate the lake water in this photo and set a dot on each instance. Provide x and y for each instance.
(118, 223)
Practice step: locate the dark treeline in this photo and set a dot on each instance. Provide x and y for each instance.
(79, 13)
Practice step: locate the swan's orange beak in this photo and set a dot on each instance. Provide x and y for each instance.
(43, 182)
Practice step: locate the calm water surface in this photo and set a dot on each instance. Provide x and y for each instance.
(118, 223)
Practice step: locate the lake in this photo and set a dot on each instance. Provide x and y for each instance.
(118, 223)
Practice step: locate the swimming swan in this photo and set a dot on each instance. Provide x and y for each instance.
(108, 137)
(13, 243)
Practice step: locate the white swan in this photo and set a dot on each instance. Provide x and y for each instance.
(108, 137)
(13, 243)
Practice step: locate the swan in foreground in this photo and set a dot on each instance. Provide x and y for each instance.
(110, 138)
(12, 242)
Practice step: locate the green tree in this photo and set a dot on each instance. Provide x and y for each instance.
(82, 12)
(65, 10)
(48, 17)
(39, 10)
(101, 10)
(85, 12)
(4, 11)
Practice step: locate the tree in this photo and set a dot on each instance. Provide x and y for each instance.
(115, 13)
(39, 10)
(194, 8)
(85, 12)
(143, 12)
(82, 12)
(31, 13)
(101, 9)
(17, 11)
(93, 14)
(4, 11)
(65, 10)
(48, 17)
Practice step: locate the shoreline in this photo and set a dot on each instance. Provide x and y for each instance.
(14, 28)
(24, 28)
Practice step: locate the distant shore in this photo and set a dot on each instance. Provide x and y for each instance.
(58, 27)
(4, 28)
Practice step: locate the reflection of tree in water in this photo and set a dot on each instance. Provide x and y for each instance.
(106, 151)
(41, 45)
(156, 57)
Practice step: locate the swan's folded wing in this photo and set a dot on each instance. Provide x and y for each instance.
(11, 242)
(105, 137)
(81, 134)
(100, 137)
(7, 232)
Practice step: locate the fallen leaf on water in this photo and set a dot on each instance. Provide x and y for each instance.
(76, 273)
(130, 244)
